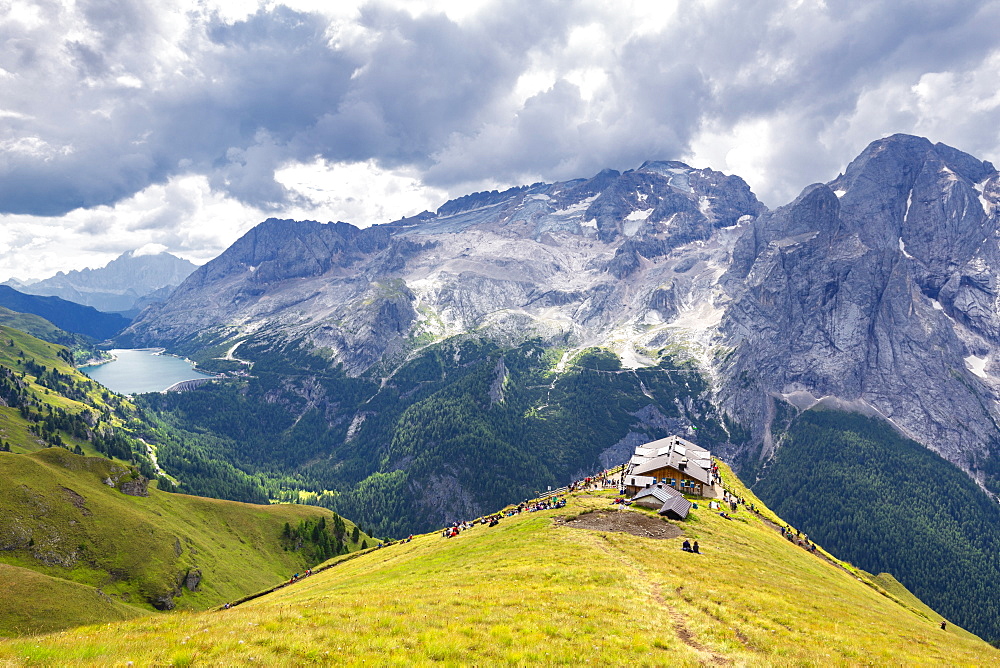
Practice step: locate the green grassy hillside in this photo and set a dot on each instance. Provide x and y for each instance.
(90, 528)
(61, 517)
(41, 328)
(534, 591)
(889, 504)
(36, 603)
(45, 401)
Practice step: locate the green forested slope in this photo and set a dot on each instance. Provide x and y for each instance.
(464, 427)
(887, 503)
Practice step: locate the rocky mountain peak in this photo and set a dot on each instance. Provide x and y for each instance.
(543, 258)
(875, 289)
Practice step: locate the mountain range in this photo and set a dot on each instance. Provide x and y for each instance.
(64, 314)
(127, 284)
(607, 260)
(875, 291)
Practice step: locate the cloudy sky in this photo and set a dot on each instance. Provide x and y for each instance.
(179, 124)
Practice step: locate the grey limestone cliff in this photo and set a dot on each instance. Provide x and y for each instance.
(875, 291)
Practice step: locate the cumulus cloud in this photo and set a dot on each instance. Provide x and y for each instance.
(125, 121)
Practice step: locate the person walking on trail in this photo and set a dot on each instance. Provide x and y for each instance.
(944, 625)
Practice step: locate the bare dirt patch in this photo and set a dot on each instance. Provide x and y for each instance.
(75, 499)
(625, 521)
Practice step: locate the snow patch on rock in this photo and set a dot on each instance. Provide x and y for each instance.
(579, 207)
(976, 365)
(902, 249)
(633, 222)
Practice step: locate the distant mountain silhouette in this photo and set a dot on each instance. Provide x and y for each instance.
(64, 314)
(129, 283)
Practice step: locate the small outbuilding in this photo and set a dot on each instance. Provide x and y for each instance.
(665, 500)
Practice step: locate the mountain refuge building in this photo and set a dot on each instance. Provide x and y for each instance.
(674, 463)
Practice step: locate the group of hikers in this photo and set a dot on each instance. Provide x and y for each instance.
(492, 520)
(798, 538)
(792, 535)
(456, 528)
(387, 543)
(544, 504)
(603, 480)
(600, 481)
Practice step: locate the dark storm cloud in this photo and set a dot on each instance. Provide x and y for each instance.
(106, 99)
(804, 69)
(244, 90)
(426, 79)
(253, 95)
(761, 55)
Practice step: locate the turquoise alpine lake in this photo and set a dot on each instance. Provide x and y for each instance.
(137, 371)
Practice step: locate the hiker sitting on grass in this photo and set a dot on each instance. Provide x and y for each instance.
(686, 547)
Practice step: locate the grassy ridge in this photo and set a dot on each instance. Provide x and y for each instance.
(533, 591)
(40, 327)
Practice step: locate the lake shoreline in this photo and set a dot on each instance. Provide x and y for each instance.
(93, 361)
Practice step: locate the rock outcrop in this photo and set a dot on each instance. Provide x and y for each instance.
(127, 481)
